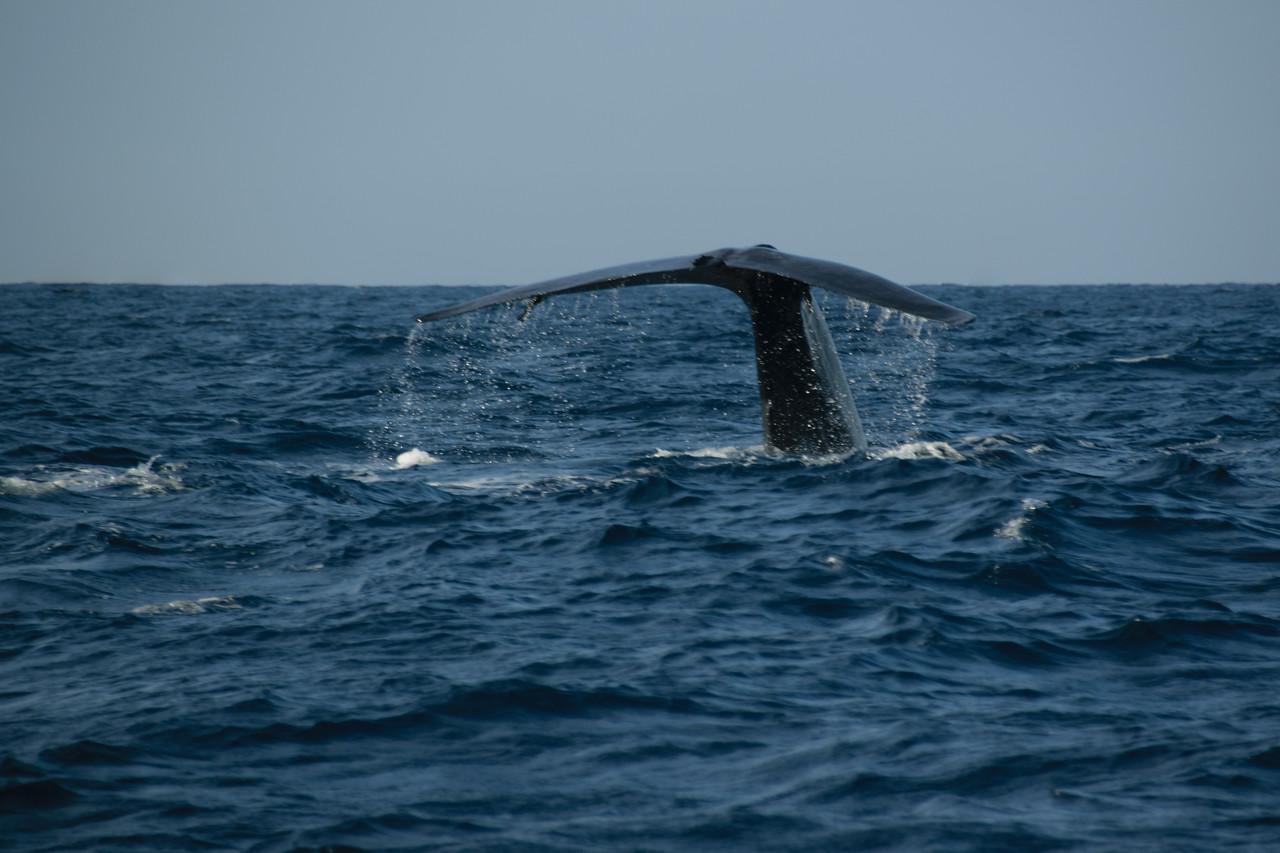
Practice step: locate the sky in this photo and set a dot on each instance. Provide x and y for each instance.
(478, 142)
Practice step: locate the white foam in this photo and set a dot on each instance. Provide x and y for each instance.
(1012, 529)
(984, 443)
(27, 488)
(828, 458)
(727, 452)
(514, 485)
(1193, 445)
(520, 483)
(188, 607)
(149, 481)
(415, 457)
(143, 477)
(921, 450)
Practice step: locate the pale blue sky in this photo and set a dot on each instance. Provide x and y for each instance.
(503, 142)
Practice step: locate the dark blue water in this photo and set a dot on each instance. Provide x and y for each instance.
(278, 571)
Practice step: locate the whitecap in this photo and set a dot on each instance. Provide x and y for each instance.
(25, 487)
(188, 607)
(984, 443)
(1012, 529)
(728, 452)
(921, 450)
(145, 478)
(150, 481)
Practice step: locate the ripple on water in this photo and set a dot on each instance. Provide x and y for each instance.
(272, 579)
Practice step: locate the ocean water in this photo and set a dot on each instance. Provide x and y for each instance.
(280, 570)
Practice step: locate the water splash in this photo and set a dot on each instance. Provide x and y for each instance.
(891, 360)
(585, 364)
(415, 457)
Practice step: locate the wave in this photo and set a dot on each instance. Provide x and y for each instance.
(189, 607)
(1142, 359)
(26, 797)
(280, 571)
(920, 450)
(144, 478)
(727, 453)
(508, 699)
(1175, 637)
(1014, 527)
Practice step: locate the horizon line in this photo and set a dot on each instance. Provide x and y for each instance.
(70, 283)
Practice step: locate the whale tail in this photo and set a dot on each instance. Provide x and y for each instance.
(804, 395)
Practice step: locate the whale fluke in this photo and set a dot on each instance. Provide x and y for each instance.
(804, 396)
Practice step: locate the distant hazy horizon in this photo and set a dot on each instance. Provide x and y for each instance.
(490, 143)
(692, 284)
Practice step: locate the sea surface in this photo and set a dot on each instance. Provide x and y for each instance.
(281, 570)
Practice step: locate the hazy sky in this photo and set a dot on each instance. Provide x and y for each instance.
(503, 142)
